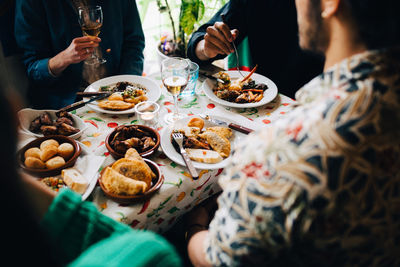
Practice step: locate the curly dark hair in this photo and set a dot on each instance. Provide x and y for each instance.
(378, 21)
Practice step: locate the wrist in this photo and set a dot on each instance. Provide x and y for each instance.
(200, 51)
(192, 229)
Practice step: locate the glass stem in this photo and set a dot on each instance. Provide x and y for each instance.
(176, 112)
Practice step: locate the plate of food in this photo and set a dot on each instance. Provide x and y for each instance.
(40, 123)
(229, 88)
(126, 91)
(209, 146)
(59, 162)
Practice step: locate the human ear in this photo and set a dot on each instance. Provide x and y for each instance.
(329, 8)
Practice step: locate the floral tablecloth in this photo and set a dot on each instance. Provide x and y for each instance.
(180, 192)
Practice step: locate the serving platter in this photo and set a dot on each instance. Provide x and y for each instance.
(268, 95)
(153, 91)
(171, 153)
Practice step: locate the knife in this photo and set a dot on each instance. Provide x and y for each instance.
(88, 94)
(233, 126)
(211, 77)
(81, 103)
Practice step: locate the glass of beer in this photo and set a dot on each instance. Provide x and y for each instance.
(175, 76)
(91, 20)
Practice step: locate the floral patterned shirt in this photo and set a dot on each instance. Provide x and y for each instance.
(322, 185)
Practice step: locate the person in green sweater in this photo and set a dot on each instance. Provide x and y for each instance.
(45, 228)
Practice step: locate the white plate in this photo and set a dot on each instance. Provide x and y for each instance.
(171, 153)
(153, 91)
(269, 94)
(27, 115)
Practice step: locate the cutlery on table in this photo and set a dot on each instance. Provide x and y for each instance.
(234, 47)
(178, 137)
(211, 77)
(81, 103)
(233, 126)
(89, 94)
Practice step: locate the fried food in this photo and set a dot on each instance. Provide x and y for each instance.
(116, 96)
(115, 105)
(116, 183)
(65, 150)
(135, 169)
(55, 162)
(217, 143)
(221, 131)
(33, 152)
(34, 163)
(196, 122)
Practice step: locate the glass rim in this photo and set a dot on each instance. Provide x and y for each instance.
(89, 7)
(152, 103)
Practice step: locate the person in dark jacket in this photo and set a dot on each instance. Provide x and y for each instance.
(50, 36)
(271, 28)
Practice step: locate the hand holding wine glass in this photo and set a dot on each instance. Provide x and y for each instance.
(91, 20)
(175, 76)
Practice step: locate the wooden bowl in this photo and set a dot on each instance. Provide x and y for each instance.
(153, 133)
(156, 183)
(48, 172)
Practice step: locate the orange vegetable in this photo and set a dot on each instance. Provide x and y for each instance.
(251, 73)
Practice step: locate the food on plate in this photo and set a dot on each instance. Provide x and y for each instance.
(119, 184)
(125, 96)
(206, 145)
(74, 180)
(115, 105)
(129, 175)
(54, 183)
(49, 155)
(204, 155)
(132, 136)
(217, 142)
(45, 125)
(243, 90)
(48, 152)
(34, 163)
(55, 162)
(49, 142)
(65, 150)
(33, 152)
(196, 122)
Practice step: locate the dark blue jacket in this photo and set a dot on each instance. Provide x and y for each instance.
(44, 28)
(271, 27)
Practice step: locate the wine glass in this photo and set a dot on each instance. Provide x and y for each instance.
(91, 20)
(175, 76)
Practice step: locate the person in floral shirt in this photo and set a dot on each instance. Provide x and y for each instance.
(322, 185)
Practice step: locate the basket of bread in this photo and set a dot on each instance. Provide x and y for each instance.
(131, 178)
(49, 155)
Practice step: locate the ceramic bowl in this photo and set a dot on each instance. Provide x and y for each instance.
(128, 199)
(48, 172)
(27, 115)
(152, 132)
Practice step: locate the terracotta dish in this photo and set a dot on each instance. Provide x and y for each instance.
(127, 199)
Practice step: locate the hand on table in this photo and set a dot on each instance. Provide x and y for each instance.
(80, 49)
(217, 41)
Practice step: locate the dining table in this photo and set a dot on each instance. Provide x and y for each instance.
(180, 192)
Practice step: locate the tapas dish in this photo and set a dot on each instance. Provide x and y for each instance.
(229, 88)
(130, 178)
(126, 91)
(41, 123)
(208, 145)
(142, 138)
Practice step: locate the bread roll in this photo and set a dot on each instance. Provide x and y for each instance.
(196, 122)
(48, 152)
(55, 162)
(65, 150)
(49, 142)
(33, 152)
(74, 180)
(203, 155)
(34, 163)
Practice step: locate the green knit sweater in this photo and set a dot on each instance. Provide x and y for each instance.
(85, 237)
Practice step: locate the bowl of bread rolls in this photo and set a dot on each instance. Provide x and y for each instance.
(48, 155)
(131, 178)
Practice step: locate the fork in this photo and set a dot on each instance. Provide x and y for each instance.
(234, 47)
(178, 137)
